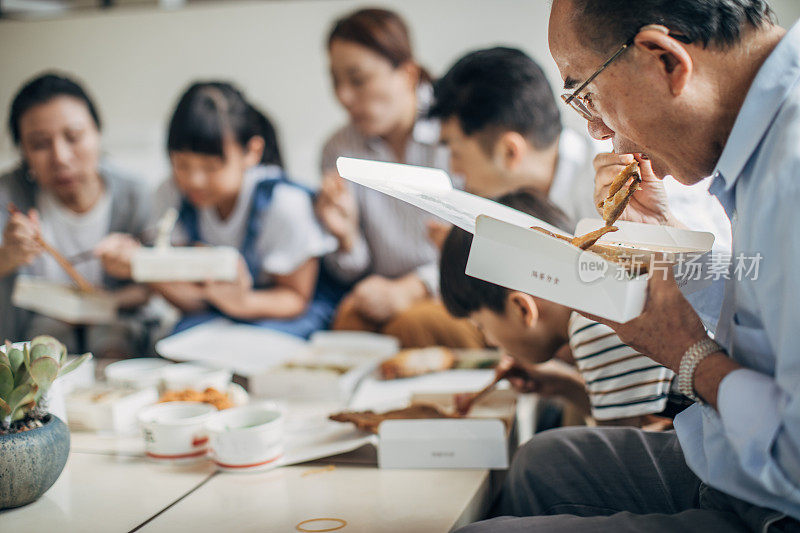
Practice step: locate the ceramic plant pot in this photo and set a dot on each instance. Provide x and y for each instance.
(31, 461)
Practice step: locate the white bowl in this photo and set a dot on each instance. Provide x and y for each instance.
(176, 430)
(195, 376)
(139, 373)
(246, 439)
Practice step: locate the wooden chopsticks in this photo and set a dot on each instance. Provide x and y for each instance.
(82, 283)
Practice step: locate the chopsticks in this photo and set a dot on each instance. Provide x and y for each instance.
(464, 402)
(82, 283)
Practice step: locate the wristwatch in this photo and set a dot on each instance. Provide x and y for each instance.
(689, 363)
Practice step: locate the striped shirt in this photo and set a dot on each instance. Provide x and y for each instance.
(393, 240)
(621, 382)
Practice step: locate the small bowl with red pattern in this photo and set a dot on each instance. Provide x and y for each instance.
(176, 431)
(247, 438)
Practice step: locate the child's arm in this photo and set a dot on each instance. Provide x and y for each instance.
(188, 297)
(288, 298)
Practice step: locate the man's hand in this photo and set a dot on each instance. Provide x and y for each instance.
(115, 252)
(228, 296)
(649, 205)
(667, 327)
(337, 209)
(550, 379)
(19, 239)
(378, 299)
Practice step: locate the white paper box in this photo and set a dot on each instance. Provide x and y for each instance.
(62, 302)
(506, 252)
(185, 264)
(529, 261)
(443, 443)
(104, 408)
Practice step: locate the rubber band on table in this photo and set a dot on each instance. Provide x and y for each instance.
(328, 468)
(342, 524)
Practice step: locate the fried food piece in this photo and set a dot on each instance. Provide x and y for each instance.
(550, 233)
(618, 195)
(584, 242)
(211, 396)
(635, 264)
(370, 420)
(417, 361)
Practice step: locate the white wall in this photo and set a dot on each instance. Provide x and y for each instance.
(135, 62)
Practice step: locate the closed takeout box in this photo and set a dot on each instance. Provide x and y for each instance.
(63, 302)
(507, 252)
(163, 264)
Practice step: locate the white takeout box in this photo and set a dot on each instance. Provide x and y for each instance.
(507, 252)
(164, 264)
(106, 408)
(63, 302)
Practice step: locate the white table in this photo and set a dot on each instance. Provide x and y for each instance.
(107, 491)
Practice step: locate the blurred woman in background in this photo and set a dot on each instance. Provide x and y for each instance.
(383, 243)
(64, 194)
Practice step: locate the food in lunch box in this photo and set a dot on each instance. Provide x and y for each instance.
(370, 420)
(211, 396)
(417, 361)
(618, 195)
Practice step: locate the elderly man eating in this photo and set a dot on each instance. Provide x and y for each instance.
(690, 88)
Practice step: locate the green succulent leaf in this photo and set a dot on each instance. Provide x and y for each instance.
(4, 354)
(19, 396)
(75, 363)
(15, 357)
(44, 371)
(6, 381)
(21, 376)
(26, 357)
(5, 409)
(42, 350)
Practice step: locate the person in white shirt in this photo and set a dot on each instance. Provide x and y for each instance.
(65, 194)
(384, 246)
(229, 189)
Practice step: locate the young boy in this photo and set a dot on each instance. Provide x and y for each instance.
(614, 382)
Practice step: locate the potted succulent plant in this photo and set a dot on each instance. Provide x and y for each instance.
(33, 443)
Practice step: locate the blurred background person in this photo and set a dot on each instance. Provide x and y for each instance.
(67, 195)
(502, 125)
(383, 243)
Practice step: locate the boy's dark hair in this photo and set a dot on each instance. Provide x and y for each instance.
(496, 90)
(41, 90)
(606, 24)
(462, 294)
(208, 113)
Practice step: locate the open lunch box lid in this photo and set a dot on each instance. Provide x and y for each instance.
(506, 251)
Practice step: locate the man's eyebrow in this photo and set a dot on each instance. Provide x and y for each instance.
(570, 83)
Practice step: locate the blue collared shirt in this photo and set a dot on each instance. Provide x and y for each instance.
(750, 447)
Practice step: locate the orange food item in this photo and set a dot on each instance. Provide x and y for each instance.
(417, 361)
(211, 396)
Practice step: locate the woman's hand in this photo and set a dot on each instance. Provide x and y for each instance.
(115, 253)
(378, 299)
(337, 209)
(20, 246)
(648, 205)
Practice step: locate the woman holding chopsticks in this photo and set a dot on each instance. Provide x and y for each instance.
(59, 206)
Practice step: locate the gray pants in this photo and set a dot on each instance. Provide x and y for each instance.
(615, 479)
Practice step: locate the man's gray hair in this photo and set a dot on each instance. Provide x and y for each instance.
(609, 23)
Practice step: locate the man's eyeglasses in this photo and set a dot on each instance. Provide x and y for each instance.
(580, 103)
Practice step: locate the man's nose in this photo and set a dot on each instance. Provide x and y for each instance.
(598, 130)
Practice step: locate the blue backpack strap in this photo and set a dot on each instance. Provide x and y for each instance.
(187, 218)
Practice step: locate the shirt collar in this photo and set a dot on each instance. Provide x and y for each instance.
(777, 77)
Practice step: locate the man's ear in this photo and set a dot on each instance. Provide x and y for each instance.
(412, 72)
(510, 150)
(523, 307)
(254, 151)
(676, 62)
